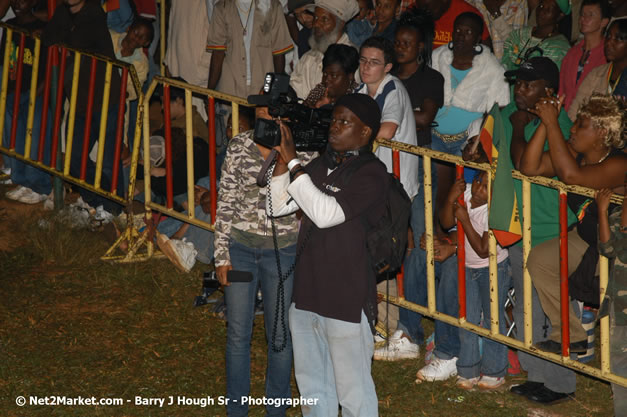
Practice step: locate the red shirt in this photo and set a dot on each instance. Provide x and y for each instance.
(568, 72)
(444, 25)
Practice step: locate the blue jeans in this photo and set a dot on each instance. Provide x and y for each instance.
(240, 305)
(201, 238)
(414, 280)
(108, 162)
(332, 360)
(454, 148)
(493, 362)
(447, 336)
(23, 173)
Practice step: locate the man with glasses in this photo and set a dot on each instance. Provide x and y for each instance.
(376, 60)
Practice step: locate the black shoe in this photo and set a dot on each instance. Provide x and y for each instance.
(551, 346)
(547, 397)
(526, 389)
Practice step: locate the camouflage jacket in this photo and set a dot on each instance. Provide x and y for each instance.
(242, 203)
(616, 248)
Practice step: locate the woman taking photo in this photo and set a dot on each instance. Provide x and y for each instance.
(592, 158)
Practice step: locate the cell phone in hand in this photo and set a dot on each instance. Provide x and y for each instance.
(239, 276)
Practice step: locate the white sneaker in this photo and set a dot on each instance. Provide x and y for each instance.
(397, 349)
(490, 382)
(49, 202)
(31, 197)
(437, 370)
(15, 193)
(466, 383)
(180, 252)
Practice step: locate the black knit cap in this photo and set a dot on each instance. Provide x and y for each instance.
(365, 108)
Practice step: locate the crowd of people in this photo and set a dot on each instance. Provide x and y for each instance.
(420, 72)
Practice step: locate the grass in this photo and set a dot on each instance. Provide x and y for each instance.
(73, 325)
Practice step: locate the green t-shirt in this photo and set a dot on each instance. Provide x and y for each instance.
(544, 200)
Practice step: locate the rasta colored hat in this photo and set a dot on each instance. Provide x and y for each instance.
(365, 108)
(344, 9)
(538, 68)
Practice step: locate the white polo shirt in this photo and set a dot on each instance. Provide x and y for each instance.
(395, 106)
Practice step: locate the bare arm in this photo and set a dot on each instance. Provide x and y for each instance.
(425, 116)
(279, 63)
(603, 202)
(387, 130)
(480, 243)
(535, 161)
(447, 214)
(215, 69)
(606, 174)
(519, 120)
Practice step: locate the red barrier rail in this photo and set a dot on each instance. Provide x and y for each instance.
(119, 130)
(52, 50)
(461, 253)
(18, 90)
(58, 110)
(168, 146)
(212, 159)
(564, 300)
(88, 114)
(396, 167)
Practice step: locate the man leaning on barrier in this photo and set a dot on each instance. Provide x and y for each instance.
(334, 289)
(536, 79)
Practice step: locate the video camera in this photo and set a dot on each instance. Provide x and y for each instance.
(310, 127)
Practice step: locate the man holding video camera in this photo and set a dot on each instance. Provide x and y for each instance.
(334, 298)
(245, 256)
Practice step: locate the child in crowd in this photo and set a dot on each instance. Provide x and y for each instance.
(128, 47)
(385, 13)
(613, 244)
(486, 370)
(360, 27)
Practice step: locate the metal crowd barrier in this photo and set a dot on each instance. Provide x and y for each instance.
(53, 100)
(137, 239)
(526, 345)
(211, 96)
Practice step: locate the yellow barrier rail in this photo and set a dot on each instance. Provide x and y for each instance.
(44, 118)
(526, 345)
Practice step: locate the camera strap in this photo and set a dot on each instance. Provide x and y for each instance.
(280, 303)
(263, 178)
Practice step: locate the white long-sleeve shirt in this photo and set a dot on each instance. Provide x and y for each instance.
(322, 209)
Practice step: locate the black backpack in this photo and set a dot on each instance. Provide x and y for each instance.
(386, 240)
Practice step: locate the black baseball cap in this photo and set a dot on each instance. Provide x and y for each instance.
(538, 68)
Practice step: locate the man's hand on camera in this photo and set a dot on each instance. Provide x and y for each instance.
(287, 149)
(221, 272)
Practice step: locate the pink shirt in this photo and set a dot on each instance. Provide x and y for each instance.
(568, 73)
